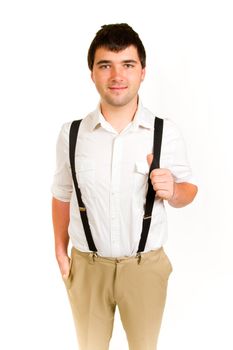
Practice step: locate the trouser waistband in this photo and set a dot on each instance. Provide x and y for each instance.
(95, 257)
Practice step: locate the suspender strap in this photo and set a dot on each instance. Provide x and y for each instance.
(158, 132)
(72, 145)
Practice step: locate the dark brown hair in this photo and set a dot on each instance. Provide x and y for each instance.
(116, 37)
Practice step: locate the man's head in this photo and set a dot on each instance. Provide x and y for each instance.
(117, 61)
(116, 37)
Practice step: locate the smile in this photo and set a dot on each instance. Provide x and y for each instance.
(117, 88)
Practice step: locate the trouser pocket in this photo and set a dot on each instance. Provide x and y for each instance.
(68, 279)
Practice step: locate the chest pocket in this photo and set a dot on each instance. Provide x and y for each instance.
(141, 174)
(85, 172)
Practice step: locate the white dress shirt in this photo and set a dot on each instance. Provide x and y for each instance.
(112, 173)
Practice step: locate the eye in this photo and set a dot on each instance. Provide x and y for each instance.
(128, 65)
(104, 66)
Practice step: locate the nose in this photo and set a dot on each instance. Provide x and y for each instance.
(116, 73)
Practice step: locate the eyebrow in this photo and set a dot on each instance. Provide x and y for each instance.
(108, 61)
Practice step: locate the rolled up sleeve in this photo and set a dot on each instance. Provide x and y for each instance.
(174, 154)
(62, 186)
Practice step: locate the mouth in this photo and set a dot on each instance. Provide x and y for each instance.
(117, 88)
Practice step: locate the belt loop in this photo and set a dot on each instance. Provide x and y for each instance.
(139, 257)
(92, 257)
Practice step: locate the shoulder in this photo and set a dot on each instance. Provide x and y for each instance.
(86, 123)
(171, 130)
(64, 132)
(65, 128)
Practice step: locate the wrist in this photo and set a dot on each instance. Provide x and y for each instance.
(173, 196)
(61, 253)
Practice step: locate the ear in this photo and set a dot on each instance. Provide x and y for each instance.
(143, 74)
(92, 76)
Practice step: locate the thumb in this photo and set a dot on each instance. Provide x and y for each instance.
(150, 158)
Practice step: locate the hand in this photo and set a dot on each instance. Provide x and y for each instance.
(162, 181)
(64, 265)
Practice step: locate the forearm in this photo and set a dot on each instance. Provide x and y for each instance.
(61, 218)
(183, 194)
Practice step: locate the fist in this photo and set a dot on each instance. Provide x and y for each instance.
(162, 181)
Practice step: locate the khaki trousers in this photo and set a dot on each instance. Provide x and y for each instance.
(95, 285)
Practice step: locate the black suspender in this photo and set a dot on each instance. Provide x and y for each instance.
(150, 197)
(158, 131)
(72, 143)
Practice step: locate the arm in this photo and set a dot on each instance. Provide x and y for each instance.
(61, 217)
(62, 191)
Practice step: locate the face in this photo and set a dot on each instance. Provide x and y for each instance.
(117, 75)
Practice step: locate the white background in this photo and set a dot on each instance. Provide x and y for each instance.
(44, 82)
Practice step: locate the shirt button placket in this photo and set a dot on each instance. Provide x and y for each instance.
(114, 197)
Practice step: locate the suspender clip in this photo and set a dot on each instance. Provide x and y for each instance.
(82, 208)
(139, 257)
(94, 256)
(147, 217)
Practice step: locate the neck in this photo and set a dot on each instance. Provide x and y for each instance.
(119, 117)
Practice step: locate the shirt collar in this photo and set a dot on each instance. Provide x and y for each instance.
(142, 118)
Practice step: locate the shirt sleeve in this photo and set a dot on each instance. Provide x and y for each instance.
(62, 186)
(174, 154)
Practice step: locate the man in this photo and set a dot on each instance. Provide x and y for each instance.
(113, 155)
